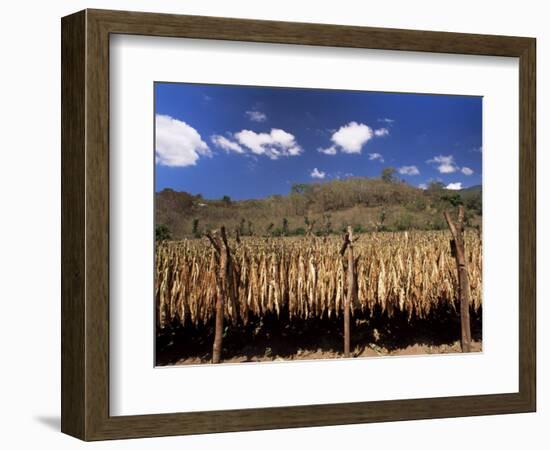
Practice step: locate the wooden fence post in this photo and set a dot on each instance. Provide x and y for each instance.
(225, 288)
(348, 300)
(457, 231)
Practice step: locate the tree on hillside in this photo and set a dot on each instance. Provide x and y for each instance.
(309, 225)
(454, 199)
(285, 226)
(196, 231)
(227, 200)
(162, 233)
(388, 175)
(300, 188)
(381, 226)
(474, 202)
(327, 224)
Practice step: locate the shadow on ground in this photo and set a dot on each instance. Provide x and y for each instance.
(52, 422)
(275, 337)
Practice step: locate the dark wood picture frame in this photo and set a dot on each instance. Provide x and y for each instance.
(85, 224)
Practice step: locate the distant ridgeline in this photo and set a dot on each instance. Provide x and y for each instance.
(319, 208)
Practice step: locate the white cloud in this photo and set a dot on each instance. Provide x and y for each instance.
(386, 120)
(408, 170)
(256, 116)
(381, 132)
(467, 171)
(454, 186)
(315, 173)
(226, 144)
(275, 144)
(445, 164)
(376, 156)
(328, 151)
(351, 137)
(423, 186)
(176, 143)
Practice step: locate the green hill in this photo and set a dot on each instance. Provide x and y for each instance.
(367, 204)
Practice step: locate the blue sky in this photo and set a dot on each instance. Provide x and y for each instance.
(252, 142)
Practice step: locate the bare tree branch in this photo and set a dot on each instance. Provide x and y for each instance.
(344, 244)
(224, 238)
(451, 224)
(214, 240)
(460, 216)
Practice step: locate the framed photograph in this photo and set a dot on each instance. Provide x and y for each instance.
(273, 225)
